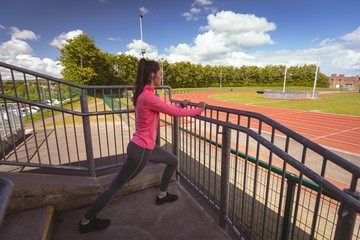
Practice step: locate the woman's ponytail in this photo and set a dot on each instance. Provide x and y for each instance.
(145, 68)
(139, 82)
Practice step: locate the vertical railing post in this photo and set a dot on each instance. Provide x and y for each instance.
(157, 140)
(225, 169)
(346, 218)
(288, 208)
(175, 137)
(175, 143)
(87, 136)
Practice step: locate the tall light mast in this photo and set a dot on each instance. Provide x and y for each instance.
(315, 79)
(141, 15)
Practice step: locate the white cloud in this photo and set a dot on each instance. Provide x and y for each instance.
(227, 32)
(230, 22)
(60, 40)
(192, 14)
(113, 38)
(13, 47)
(202, 2)
(197, 8)
(2, 27)
(353, 36)
(332, 55)
(228, 36)
(17, 51)
(314, 40)
(136, 46)
(144, 10)
(22, 34)
(326, 42)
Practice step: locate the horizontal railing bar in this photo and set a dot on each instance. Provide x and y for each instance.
(64, 110)
(27, 164)
(233, 228)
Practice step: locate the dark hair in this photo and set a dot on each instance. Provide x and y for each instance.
(145, 68)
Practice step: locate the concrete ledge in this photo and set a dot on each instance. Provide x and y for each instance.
(70, 192)
(33, 224)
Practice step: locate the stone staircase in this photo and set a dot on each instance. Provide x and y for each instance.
(45, 206)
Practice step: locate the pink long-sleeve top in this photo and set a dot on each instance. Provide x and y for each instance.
(147, 110)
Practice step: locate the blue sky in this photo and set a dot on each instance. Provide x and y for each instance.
(215, 32)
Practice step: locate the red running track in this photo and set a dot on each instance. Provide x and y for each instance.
(334, 131)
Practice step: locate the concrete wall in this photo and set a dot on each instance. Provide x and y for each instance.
(70, 192)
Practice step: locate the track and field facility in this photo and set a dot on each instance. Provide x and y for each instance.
(333, 131)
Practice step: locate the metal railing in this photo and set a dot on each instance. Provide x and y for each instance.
(262, 177)
(66, 126)
(266, 181)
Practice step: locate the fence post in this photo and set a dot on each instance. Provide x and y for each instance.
(175, 143)
(87, 136)
(346, 219)
(225, 168)
(157, 140)
(175, 137)
(288, 208)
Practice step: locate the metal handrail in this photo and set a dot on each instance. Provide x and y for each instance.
(336, 192)
(63, 110)
(347, 165)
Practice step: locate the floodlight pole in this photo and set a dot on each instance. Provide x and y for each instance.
(315, 80)
(284, 79)
(162, 69)
(141, 15)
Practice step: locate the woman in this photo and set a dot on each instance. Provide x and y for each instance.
(142, 149)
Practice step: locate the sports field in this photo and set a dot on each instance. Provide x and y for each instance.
(330, 101)
(333, 120)
(338, 102)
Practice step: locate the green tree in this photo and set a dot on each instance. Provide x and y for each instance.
(84, 63)
(125, 67)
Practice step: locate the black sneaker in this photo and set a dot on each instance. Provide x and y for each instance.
(168, 198)
(95, 224)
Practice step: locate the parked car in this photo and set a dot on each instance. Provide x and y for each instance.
(25, 111)
(53, 102)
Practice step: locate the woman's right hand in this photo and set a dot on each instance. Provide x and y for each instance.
(202, 105)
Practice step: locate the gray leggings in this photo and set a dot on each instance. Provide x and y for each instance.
(137, 158)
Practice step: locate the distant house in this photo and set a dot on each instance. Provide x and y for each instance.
(342, 82)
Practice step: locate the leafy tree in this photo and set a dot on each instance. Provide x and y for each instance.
(125, 67)
(84, 63)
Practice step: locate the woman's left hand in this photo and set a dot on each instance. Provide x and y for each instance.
(186, 102)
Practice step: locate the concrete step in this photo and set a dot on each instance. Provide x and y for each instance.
(36, 196)
(136, 216)
(69, 192)
(31, 224)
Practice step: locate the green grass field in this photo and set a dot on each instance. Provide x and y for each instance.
(338, 102)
